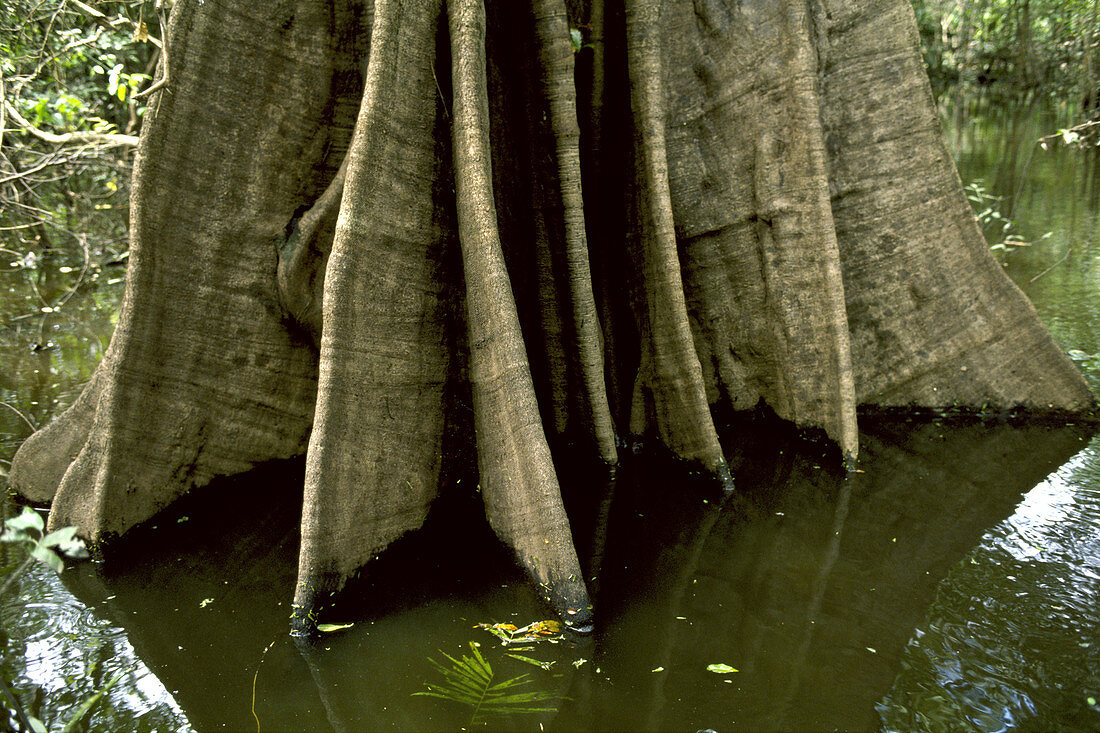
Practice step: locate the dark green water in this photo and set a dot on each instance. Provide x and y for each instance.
(953, 584)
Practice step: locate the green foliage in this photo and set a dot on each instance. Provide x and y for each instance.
(29, 721)
(576, 39)
(66, 71)
(29, 530)
(65, 205)
(532, 661)
(1083, 136)
(1088, 363)
(470, 681)
(1015, 50)
(89, 703)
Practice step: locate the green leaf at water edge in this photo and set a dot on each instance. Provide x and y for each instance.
(48, 556)
(29, 519)
(59, 537)
(576, 39)
(65, 542)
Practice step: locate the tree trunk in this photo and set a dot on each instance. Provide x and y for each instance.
(1025, 75)
(385, 234)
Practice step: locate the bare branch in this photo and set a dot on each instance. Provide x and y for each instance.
(79, 136)
(16, 176)
(162, 19)
(26, 419)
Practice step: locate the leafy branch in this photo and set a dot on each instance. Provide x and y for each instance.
(29, 529)
(988, 215)
(1080, 136)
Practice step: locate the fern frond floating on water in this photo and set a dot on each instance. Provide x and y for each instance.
(470, 681)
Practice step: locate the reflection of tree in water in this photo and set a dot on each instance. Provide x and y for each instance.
(1011, 640)
(236, 543)
(808, 583)
(793, 581)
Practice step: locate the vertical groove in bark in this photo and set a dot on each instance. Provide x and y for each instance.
(608, 160)
(185, 392)
(372, 467)
(556, 64)
(518, 483)
(556, 403)
(750, 196)
(670, 380)
(529, 212)
(934, 320)
(817, 331)
(300, 278)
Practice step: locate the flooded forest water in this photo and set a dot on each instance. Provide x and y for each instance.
(952, 584)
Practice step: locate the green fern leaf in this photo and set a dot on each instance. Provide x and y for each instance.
(470, 681)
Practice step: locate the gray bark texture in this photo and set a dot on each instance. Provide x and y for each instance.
(378, 233)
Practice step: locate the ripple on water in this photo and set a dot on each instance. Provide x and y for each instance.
(1011, 641)
(56, 647)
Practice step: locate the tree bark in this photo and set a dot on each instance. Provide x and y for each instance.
(390, 233)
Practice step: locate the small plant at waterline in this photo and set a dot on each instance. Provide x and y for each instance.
(29, 529)
(989, 217)
(469, 681)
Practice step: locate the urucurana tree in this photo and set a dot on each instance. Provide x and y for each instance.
(375, 233)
